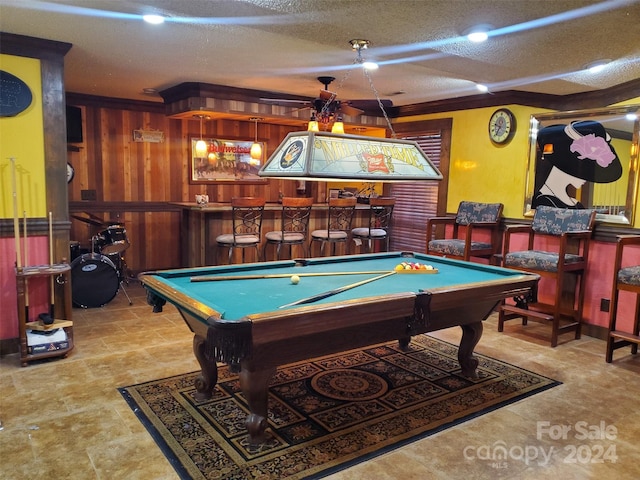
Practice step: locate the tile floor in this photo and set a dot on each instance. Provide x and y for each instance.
(64, 418)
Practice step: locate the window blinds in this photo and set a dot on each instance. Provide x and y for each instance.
(416, 201)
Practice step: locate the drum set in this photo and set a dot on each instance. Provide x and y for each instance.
(99, 273)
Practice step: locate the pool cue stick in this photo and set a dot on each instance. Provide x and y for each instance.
(26, 263)
(335, 291)
(26, 238)
(53, 280)
(281, 275)
(16, 226)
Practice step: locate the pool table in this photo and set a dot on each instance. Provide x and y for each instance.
(254, 324)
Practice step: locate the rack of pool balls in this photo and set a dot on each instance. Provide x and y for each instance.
(414, 267)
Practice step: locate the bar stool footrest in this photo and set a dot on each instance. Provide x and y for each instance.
(510, 312)
(628, 337)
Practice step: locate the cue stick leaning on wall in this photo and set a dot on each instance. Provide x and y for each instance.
(26, 263)
(335, 291)
(53, 280)
(16, 227)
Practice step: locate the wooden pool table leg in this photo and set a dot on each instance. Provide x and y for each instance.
(255, 387)
(471, 334)
(208, 377)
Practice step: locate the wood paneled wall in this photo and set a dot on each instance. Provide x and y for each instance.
(135, 182)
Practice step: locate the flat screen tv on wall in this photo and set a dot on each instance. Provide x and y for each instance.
(74, 125)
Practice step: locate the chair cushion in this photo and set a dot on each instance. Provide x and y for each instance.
(454, 246)
(537, 260)
(556, 221)
(364, 232)
(228, 239)
(329, 235)
(474, 212)
(288, 237)
(629, 275)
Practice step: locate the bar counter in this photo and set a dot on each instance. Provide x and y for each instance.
(201, 224)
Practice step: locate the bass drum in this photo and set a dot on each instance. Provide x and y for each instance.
(94, 280)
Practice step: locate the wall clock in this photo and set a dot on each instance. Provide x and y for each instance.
(70, 172)
(502, 126)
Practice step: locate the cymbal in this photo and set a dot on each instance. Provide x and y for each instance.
(91, 221)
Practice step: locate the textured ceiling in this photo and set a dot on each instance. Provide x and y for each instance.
(283, 45)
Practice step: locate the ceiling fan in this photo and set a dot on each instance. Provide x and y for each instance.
(327, 103)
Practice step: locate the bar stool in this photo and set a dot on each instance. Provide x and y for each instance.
(338, 224)
(626, 279)
(294, 226)
(564, 234)
(379, 225)
(246, 214)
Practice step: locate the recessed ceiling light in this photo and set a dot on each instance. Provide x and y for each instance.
(370, 65)
(597, 66)
(153, 19)
(478, 33)
(482, 88)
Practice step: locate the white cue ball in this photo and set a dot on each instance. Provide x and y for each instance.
(295, 279)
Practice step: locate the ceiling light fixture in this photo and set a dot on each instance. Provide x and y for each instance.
(597, 66)
(482, 88)
(338, 125)
(256, 148)
(359, 45)
(201, 145)
(478, 33)
(153, 19)
(313, 123)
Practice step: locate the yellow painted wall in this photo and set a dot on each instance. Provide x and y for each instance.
(482, 171)
(22, 137)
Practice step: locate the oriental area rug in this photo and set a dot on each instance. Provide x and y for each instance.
(328, 413)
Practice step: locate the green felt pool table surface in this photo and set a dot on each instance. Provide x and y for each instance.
(239, 299)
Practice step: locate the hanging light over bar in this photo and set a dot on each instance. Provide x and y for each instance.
(329, 156)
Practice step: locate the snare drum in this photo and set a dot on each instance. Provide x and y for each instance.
(94, 280)
(112, 240)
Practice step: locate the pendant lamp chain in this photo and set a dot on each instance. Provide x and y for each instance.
(358, 46)
(201, 145)
(256, 148)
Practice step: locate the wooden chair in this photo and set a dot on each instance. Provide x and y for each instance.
(625, 278)
(246, 214)
(475, 232)
(338, 225)
(379, 225)
(564, 234)
(294, 225)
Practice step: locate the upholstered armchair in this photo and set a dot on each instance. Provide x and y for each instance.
(557, 249)
(475, 232)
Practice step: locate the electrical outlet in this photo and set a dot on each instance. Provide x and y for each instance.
(88, 195)
(605, 303)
